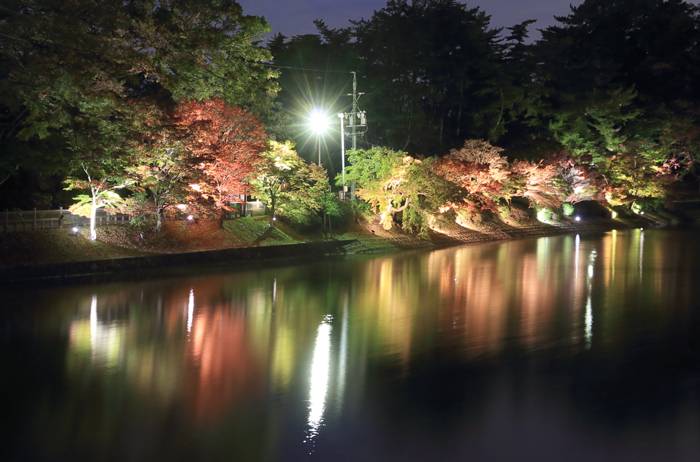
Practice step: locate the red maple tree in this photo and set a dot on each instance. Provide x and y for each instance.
(224, 144)
(482, 185)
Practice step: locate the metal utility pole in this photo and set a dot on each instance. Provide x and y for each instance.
(356, 119)
(342, 149)
(354, 110)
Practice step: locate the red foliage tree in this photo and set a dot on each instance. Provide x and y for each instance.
(537, 182)
(478, 181)
(224, 144)
(584, 183)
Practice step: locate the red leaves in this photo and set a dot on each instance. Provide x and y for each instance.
(487, 177)
(537, 182)
(477, 179)
(224, 144)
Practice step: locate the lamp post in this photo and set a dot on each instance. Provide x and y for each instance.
(341, 116)
(319, 124)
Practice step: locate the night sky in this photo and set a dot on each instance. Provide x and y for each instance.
(296, 17)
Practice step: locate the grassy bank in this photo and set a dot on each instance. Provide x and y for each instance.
(119, 241)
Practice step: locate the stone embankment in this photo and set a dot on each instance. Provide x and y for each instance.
(381, 242)
(82, 269)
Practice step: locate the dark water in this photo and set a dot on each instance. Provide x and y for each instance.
(570, 348)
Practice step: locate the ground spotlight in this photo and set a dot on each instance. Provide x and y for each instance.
(75, 230)
(577, 218)
(190, 217)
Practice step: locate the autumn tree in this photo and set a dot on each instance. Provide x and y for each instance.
(392, 182)
(539, 182)
(487, 178)
(480, 170)
(223, 145)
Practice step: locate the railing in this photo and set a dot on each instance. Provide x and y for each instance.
(53, 219)
(254, 208)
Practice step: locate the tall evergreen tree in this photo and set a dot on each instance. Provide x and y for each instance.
(427, 64)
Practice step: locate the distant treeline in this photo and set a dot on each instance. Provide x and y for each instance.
(615, 85)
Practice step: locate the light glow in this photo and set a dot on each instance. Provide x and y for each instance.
(93, 326)
(318, 121)
(589, 307)
(190, 311)
(320, 371)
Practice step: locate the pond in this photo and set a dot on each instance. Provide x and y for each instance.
(576, 347)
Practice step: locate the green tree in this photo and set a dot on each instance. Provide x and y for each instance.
(293, 189)
(159, 169)
(620, 87)
(392, 182)
(54, 55)
(426, 66)
(100, 160)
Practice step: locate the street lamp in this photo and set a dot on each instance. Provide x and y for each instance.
(342, 146)
(319, 124)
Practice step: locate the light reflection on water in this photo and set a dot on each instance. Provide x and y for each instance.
(376, 358)
(320, 374)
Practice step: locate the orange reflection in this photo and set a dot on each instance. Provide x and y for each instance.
(228, 371)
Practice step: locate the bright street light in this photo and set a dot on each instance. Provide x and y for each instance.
(319, 124)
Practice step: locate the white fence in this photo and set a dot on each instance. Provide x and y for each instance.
(52, 219)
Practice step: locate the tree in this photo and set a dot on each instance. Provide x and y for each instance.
(291, 187)
(100, 160)
(537, 182)
(487, 177)
(426, 64)
(620, 85)
(54, 55)
(392, 182)
(159, 169)
(223, 144)
(480, 171)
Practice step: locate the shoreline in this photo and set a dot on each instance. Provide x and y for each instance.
(113, 266)
(370, 242)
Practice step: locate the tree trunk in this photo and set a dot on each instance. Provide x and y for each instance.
(159, 219)
(93, 218)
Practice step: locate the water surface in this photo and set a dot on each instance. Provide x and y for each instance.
(577, 348)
